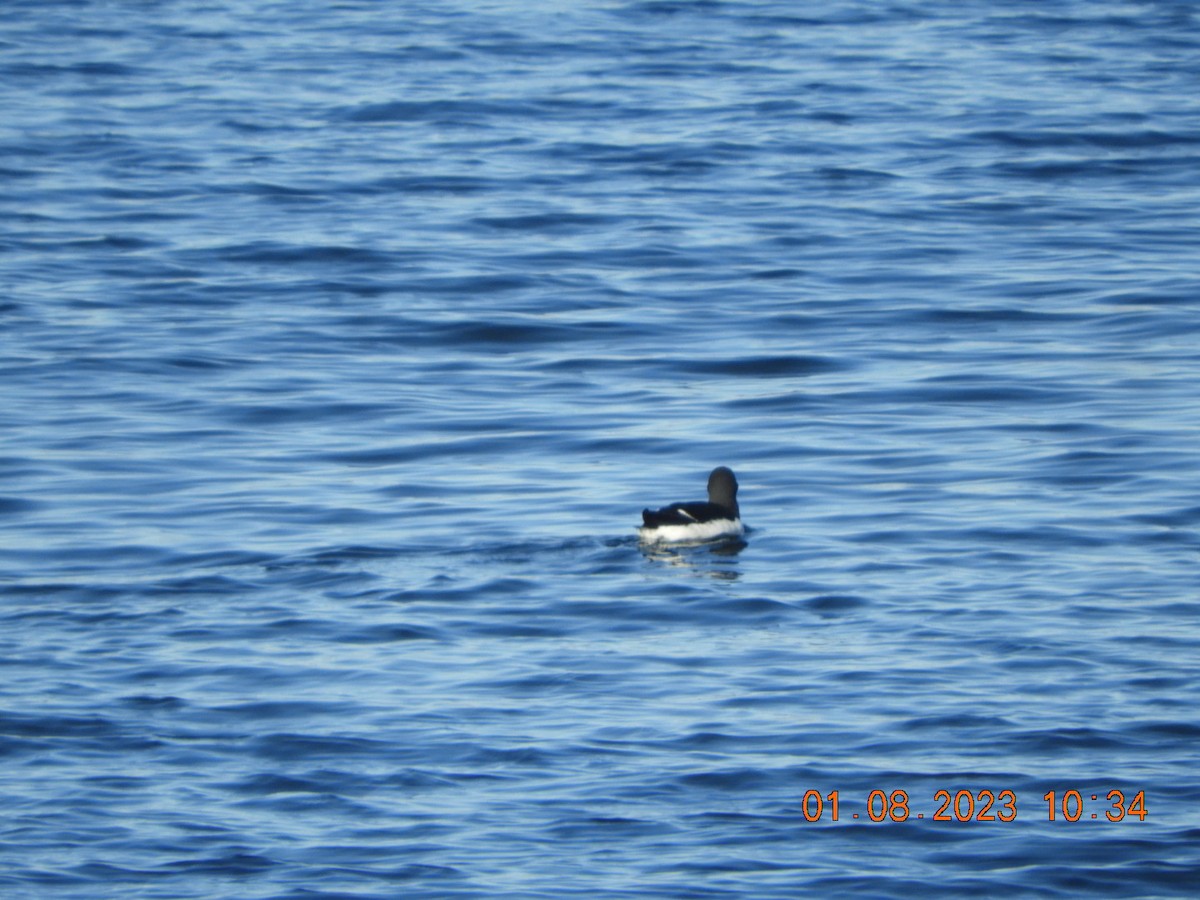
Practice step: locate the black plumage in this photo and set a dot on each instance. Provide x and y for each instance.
(721, 504)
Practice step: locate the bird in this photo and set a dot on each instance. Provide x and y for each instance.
(698, 521)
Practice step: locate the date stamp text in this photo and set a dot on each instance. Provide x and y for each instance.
(985, 805)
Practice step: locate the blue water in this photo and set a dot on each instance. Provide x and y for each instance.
(341, 345)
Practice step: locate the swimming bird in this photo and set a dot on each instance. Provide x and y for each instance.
(700, 520)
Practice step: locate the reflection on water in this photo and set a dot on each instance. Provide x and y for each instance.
(714, 558)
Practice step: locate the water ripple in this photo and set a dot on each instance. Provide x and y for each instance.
(342, 350)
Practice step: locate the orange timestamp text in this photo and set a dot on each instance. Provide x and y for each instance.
(985, 805)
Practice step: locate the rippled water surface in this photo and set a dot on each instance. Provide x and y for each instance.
(342, 344)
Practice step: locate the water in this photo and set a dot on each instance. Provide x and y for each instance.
(342, 345)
